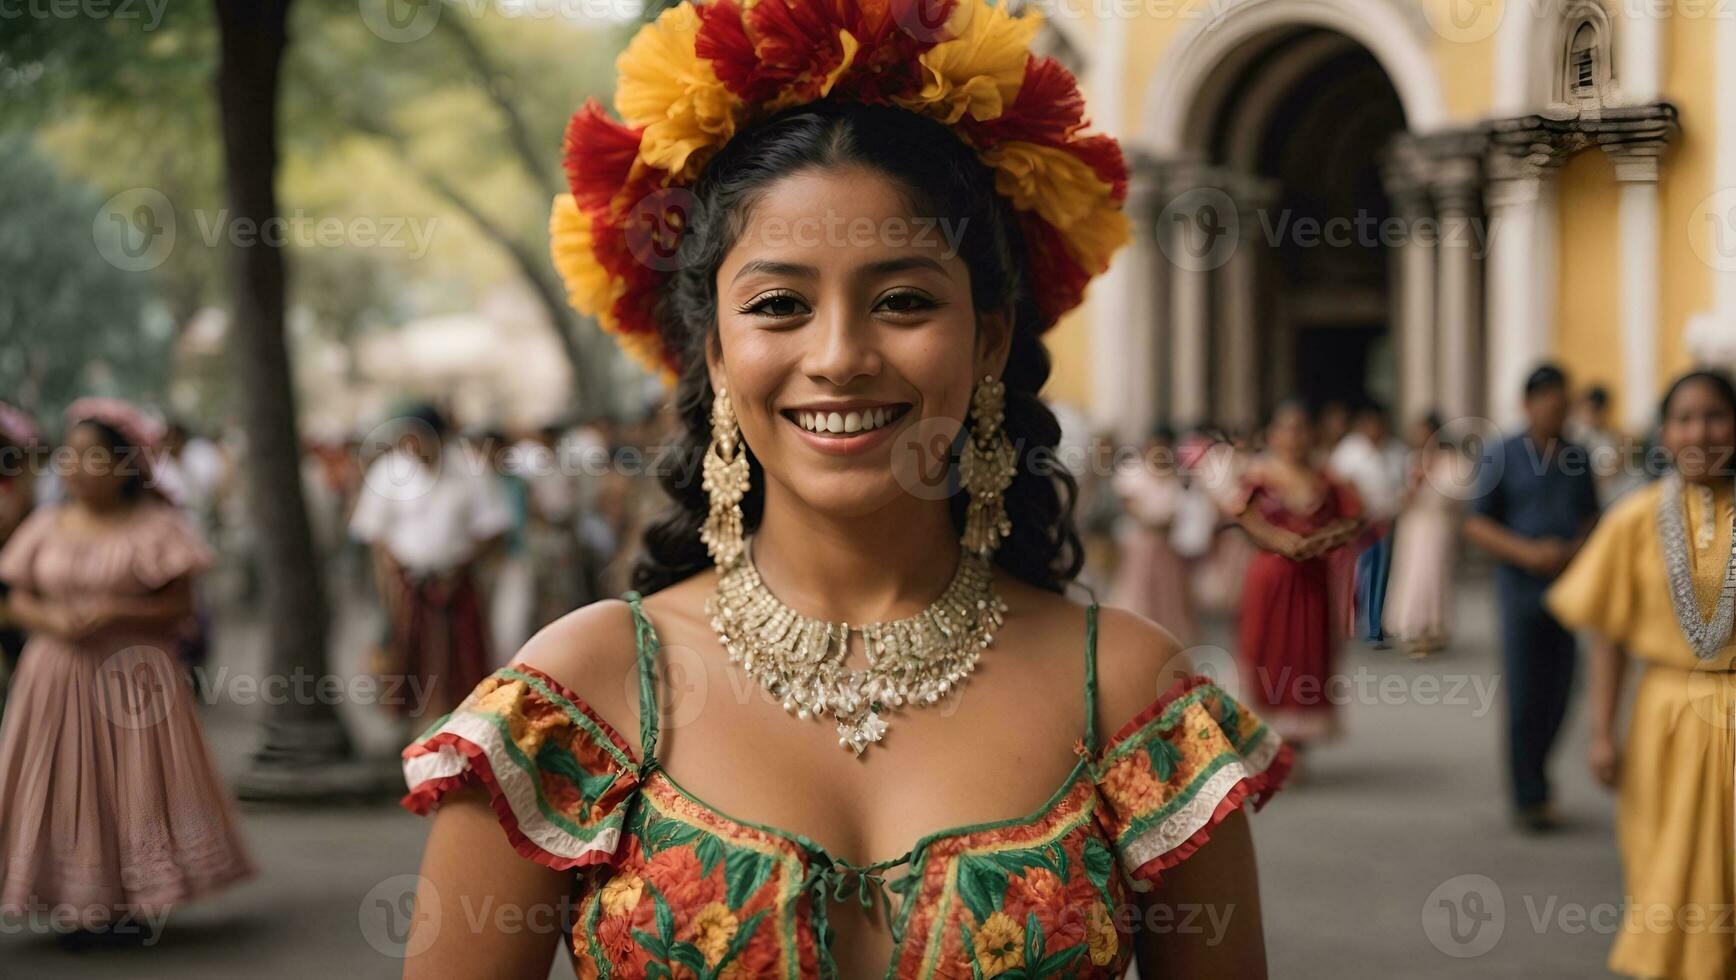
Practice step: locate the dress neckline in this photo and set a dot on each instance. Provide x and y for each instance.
(648, 644)
(834, 869)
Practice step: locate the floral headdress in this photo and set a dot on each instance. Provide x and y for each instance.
(702, 72)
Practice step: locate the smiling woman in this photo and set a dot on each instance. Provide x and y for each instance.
(876, 545)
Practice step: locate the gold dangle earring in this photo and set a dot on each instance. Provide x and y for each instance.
(726, 483)
(986, 469)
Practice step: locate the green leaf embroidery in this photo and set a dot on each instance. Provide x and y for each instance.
(1055, 964)
(976, 968)
(709, 852)
(743, 873)
(556, 759)
(737, 943)
(1099, 864)
(1034, 939)
(666, 832)
(1164, 758)
(688, 955)
(982, 885)
(665, 918)
(1231, 716)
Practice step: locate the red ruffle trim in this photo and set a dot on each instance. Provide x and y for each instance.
(424, 796)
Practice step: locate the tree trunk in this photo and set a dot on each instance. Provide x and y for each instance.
(303, 736)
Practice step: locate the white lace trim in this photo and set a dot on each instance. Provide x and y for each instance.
(1197, 812)
(518, 786)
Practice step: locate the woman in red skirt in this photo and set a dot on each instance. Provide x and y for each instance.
(1297, 516)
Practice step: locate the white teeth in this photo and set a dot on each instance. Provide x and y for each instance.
(844, 422)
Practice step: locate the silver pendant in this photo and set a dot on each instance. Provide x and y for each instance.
(865, 731)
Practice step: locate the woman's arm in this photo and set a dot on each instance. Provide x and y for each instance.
(1204, 919)
(1608, 669)
(483, 911)
(37, 614)
(170, 605)
(1268, 537)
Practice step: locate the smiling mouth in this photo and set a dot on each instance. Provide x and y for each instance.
(843, 424)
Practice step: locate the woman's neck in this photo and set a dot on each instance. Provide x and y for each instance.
(868, 569)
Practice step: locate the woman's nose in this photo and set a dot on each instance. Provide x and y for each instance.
(843, 348)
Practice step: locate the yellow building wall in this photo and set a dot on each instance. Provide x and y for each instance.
(1588, 339)
(1686, 179)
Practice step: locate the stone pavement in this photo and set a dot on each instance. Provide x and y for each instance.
(1392, 859)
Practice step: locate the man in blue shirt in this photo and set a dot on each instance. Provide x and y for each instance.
(1537, 501)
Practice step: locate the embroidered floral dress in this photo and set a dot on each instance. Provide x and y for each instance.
(675, 889)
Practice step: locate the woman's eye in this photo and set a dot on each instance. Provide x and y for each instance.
(775, 306)
(907, 302)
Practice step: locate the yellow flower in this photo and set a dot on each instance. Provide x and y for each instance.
(1065, 192)
(590, 288)
(1000, 945)
(713, 928)
(621, 895)
(980, 68)
(1100, 935)
(674, 94)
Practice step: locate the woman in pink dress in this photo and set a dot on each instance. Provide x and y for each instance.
(111, 809)
(1152, 578)
(1419, 596)
(1297, 516)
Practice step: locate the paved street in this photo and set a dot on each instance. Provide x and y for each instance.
(1410, 801)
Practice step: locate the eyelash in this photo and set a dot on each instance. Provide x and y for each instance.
(757, 307)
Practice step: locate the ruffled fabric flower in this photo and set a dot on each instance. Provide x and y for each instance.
(1100, 935)
(693, 78)
(673, 95)
(713, 927)
(1000, 944)
(621, 895)
(1066, 192)
(979, 69)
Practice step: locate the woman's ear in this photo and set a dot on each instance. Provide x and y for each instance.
(714, 361)
(994, 342)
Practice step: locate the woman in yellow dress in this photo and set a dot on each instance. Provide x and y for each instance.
(1657, 582)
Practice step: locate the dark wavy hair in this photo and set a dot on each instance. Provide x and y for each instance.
(941, 178)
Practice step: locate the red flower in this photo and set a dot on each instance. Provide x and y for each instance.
(598, 155)
(675, 873)
(1060, 285)
(1060, 907)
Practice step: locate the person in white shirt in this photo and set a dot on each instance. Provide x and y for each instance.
(1370, 459)
(431, 510)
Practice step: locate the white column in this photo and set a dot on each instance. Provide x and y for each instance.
(1193, 225)
(1414, 306)
(1125, 324)
(1457, 295)
(1640, 247)
(1237, 360)
(1513, 284)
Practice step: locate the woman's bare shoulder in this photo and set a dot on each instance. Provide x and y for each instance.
(1137, 661)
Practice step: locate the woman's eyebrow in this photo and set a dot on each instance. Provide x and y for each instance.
(771, 268)
(903, 264)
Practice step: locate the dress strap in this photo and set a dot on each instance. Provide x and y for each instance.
(645, 640)
(1091, 678)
